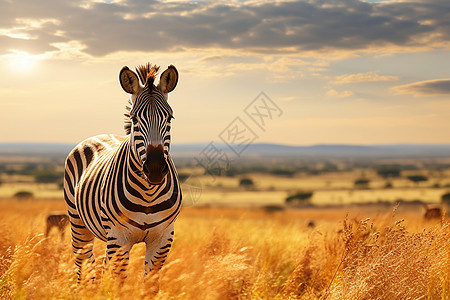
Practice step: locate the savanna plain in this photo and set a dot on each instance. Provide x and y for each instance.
(290, 232)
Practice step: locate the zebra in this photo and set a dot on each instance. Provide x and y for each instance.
(432, 212)
(125, 189)
(57, 219)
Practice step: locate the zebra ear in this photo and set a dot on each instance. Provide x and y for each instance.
(168, 80)
(129, 81)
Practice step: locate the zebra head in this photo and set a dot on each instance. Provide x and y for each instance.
(148, 118)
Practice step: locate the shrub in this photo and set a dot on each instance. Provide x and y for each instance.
(271, 208)
(23, 195)
(389, 171)
(183, 176)
(362, 183)
(61, 184)
(446, 198)
(246, 182)
(231, 172)
(283, 172)
(417, 178)
(299, 197)
(47, 176)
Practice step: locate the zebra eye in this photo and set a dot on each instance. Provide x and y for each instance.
(169, 118)
(134, 119)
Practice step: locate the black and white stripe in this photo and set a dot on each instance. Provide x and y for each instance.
(108, 185)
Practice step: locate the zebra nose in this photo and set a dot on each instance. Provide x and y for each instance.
(155, 166)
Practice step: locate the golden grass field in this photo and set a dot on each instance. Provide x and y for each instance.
(232, 253)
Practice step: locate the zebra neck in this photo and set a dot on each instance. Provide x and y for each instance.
(136, 187)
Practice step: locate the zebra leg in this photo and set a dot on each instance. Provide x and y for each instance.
(157, 251)
(82, 244)
(82, 238)
(62, 234)
(117, 255)
(155, 256)
(47, 229)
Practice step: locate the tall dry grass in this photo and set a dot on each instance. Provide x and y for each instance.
(238, 254)
(393, 263)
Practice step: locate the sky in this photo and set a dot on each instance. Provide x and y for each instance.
(313, 71)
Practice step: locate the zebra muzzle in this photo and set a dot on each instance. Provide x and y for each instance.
(155, 166)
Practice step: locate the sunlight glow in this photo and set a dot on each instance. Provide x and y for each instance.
(22, 61)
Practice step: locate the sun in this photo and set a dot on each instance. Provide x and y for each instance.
(23, 62)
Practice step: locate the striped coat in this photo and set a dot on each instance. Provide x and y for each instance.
(125, 189)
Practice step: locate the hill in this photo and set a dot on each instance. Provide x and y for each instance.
(259, 150)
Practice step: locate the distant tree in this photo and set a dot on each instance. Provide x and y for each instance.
(329, 167)
(271, 208)
(47, 176)
(445, 198)
(215, 170)
(183, 176)
(246, 182)
(283, 172)
(301, 197)
(417, 178)
(231, 172)
(61, 184)
(23, 195)
(389, 171)
(28, 169)
(362, 183)
(313, 171)
(388, 185)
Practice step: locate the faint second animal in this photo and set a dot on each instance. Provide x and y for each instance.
(57, 219)
(434, 212)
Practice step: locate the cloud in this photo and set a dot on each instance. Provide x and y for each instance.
(434, 87)
(273, 67)
(335, 94)
(363, 77)
(263, 27)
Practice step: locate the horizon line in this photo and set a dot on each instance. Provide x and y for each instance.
(259, 143)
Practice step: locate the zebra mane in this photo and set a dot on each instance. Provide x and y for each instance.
(127, 125)
(147, 74)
